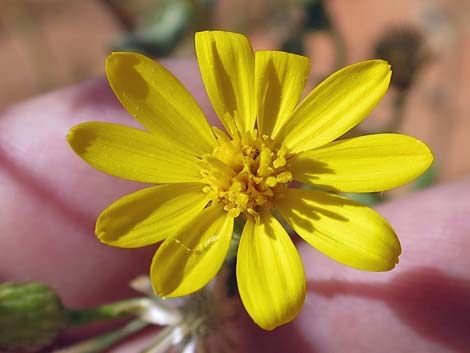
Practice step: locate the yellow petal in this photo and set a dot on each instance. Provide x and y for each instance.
(346, 231)
(131, 154)
(339, 103)
(150, 215)
(270, 274)
(279, 82)
(159, 102)
(189, 260)
(226, 62)
(363, 164)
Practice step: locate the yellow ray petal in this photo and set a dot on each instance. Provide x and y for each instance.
(189, 260)
(131, 154)
(270, 274)
(150, 215)
(159, 102)
(279, 82)
(339, 103)
(363, 164)
(226, 62)
(346, 231)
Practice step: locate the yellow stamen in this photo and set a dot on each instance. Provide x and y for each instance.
(245, 173)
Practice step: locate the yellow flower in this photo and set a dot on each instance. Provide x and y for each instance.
(206, 177)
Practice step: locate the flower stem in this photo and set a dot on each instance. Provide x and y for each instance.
(77, 317)
(164, 341)
(103, 342)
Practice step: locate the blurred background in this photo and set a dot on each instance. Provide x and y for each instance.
(48, 44)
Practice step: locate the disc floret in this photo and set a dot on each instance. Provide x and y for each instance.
(245, 173)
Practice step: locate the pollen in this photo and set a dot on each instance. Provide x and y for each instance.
(245, 173)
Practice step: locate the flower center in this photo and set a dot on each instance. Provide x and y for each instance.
(245, 173)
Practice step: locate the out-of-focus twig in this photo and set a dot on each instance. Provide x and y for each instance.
(120, 14)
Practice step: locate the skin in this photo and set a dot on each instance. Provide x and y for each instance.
(49, 200)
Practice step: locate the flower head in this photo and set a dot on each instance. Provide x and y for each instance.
(32, 316)
(208, 177)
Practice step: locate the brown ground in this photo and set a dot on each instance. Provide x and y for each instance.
(46, 44)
